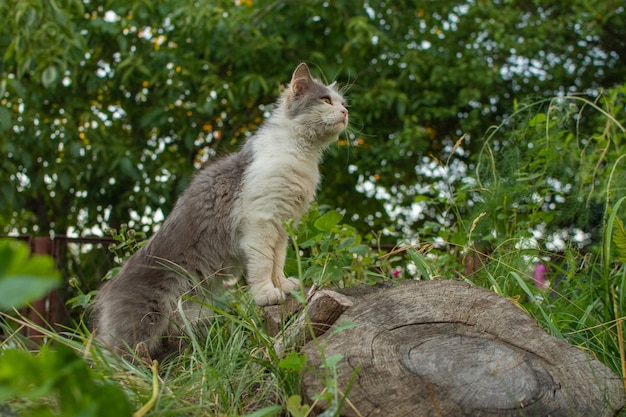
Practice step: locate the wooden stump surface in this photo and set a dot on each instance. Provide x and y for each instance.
(323, 309)
(445, 348)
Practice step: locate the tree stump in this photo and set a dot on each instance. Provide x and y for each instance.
(322, 310)
(446, 348)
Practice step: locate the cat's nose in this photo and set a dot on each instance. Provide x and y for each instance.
(344, 111)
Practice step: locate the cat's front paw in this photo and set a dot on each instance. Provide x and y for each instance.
(289, 284)
(269, 296)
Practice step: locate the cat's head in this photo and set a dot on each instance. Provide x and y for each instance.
(317, 110)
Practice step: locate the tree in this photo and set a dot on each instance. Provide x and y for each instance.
(107, 107)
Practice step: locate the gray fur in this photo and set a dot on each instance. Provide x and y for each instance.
(226, 223)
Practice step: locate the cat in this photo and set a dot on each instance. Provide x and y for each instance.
(228, 222)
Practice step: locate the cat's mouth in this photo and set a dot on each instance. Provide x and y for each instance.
(337, 125)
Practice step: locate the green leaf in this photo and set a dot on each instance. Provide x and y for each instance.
(63, 375)
(332, 361)
(272, 410)
(65, 180)
(334, 270)
(24, 278)
(326, 222)
(347, 242)
(310, 242)
(360, 249)
(10, 50)
(612, 221)
(128, 168)
(619, 238)
(151, 118)
(81, 300)
(400, 107)
(344, 325)
(296, 408)
(313, 272)
(537, 120)
(422, 264)
(293, 361)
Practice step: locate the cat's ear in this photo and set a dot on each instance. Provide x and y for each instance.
(301, 79)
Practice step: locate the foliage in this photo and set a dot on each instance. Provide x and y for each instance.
(619, 239)
(53, 381)
(109, 106)
(329, 253)
(23, 278)
(128, 241)
(85, 289)
(552, 170)
(63, 380)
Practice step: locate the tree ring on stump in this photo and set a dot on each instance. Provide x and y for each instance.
(494, 373)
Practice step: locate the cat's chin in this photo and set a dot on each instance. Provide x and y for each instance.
(342, 124)
(340, 127)
(327, 140)
(330, 133)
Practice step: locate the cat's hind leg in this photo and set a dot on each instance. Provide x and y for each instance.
(123, 324)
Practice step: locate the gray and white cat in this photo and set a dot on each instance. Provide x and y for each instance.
(227, 222)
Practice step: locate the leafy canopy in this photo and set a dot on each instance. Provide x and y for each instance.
(107, 107)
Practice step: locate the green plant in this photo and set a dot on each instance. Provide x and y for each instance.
(334, 398)
(53, 381)
(327, 252)
(57, 382)
(128, 241)
(24, 278)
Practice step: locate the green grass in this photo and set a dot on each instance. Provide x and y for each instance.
(233, 368)
(232, 371)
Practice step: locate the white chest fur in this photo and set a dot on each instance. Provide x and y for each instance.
(282, 179)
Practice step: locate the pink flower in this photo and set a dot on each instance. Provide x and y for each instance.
(540, 277)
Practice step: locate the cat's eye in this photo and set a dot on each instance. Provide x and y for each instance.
(326, 100)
